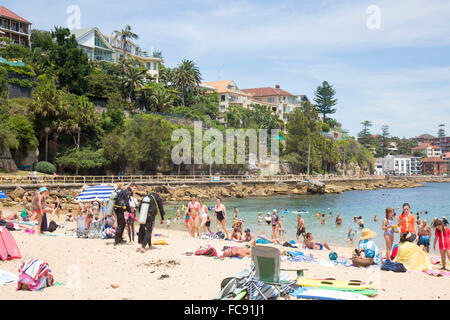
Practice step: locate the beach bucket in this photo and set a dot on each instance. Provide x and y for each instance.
(361, 261)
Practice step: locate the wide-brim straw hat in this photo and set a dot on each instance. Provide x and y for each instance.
(367, 234)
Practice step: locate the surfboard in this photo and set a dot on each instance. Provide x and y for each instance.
(365, 292)
(355, 284)
(320, 294)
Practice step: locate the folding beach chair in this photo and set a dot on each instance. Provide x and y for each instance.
(266, 278)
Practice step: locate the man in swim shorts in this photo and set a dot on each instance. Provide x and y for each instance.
(424, 236)
(300, 226)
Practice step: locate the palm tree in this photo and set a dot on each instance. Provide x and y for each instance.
(133, 76)
(187, 76)
(124, 35)
(161, 99)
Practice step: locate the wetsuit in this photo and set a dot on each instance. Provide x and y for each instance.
(122, 204)
(145, 230)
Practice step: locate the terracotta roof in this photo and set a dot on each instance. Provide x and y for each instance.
(425, 136)
(422, 146)
(433, 159)
(267, 91)
(222, 87)
(9, 14)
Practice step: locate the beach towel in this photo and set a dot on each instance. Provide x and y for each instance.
(209, 236)
(270, 292)
(7, 278)
(412, 257)
(262, 241)
(34, 274)
(8, 247)
(438, 273)
(160, 241)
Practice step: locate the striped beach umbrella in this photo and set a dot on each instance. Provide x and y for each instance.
(3, 195)
(93, 193)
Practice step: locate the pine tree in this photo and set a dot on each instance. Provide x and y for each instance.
(324, 99)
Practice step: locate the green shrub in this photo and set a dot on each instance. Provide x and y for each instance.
(21, 83)
(45, 167)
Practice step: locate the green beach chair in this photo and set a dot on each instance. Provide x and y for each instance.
(266, 269)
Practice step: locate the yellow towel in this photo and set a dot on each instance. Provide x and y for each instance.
(161, 241)
(412, 257)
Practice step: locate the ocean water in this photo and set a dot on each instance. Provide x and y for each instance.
(433, 197)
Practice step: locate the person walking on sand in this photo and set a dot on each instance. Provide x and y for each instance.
(442, 234)
(220, 211)
(388, 227)
(300, 226)
(145, 230)
(122, 205)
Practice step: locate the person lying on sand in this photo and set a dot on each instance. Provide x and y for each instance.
(9, 216)
(239, 252)
(308, 242)
(264, 237)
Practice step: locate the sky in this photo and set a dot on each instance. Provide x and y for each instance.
(389, 61)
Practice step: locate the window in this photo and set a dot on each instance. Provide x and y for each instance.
(222, 98)
(155, 66)
(149, 66)
(271, 99)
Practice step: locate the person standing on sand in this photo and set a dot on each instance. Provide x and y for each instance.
(406, 220)
(424, 236)
(300, 226)
(145, 230)
(275, 220)
(204, 217)
(442, 234)
(388, 227)
(194, 215)
(40, 209)
(220, 211)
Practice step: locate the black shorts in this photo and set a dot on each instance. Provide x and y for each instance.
(300, 231)
(208, 223)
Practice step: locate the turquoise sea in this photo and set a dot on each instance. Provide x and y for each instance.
(433, 197)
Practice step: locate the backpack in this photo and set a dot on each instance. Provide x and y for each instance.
(221, 235)
(34, 275)
(52, 226)
(388, 265)
(209, 251)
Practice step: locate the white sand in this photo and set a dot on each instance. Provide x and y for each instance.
(88, 268)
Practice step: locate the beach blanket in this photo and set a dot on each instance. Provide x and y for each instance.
(262, 241)
(34, 274)
(412, 257)
(438, 273)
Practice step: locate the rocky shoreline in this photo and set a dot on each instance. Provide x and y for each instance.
(183, 193)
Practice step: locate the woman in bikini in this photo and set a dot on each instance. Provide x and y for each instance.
(194, 219)
(388, 227)
(221, 214)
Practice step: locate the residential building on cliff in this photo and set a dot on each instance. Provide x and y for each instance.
(15, 28)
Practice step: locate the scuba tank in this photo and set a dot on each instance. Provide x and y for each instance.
(112, 202)
(143, 212)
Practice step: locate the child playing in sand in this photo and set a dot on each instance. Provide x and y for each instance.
(168, 222)
(442, 234)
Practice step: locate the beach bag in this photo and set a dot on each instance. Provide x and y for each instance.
(209, 251)
(34, 275)
(221, 235)
(388, 265)
(52, 226)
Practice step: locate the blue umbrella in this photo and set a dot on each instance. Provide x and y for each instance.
(2, 195)
(93, 193)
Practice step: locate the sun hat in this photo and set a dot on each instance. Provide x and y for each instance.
(367, 234)
(275, 211)
(43, 189)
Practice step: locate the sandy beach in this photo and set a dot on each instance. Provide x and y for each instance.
(91, 268)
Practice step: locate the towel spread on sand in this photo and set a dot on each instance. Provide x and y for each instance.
(7, 278)
(412, 257)
(438, 273)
